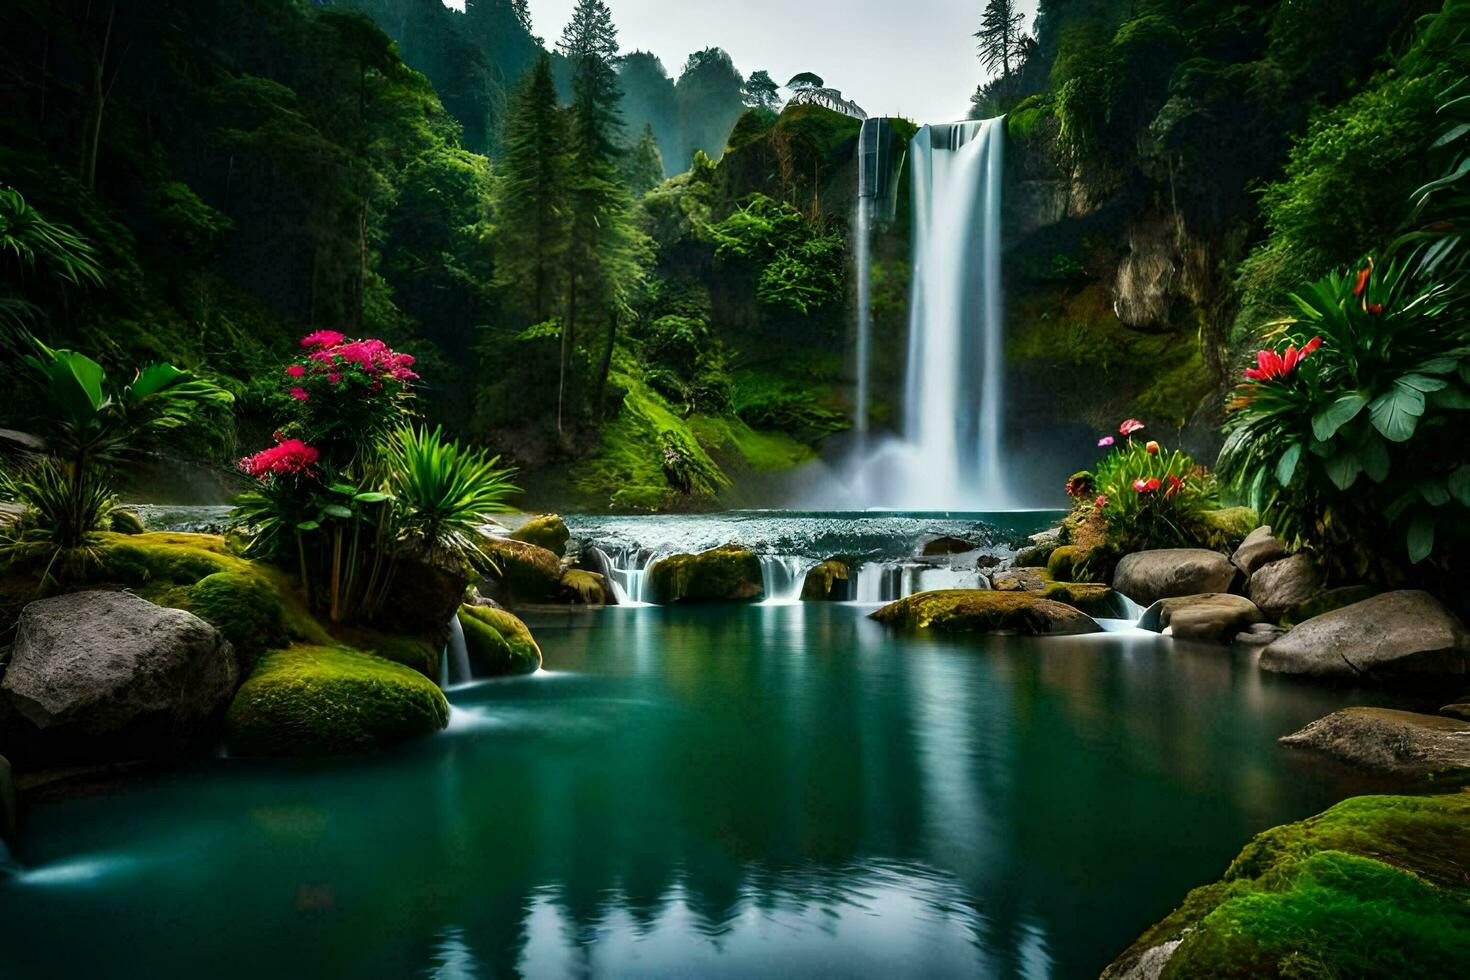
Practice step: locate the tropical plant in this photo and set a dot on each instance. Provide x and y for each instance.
(1356, 426)
(33, 242)
(444, 492)
(1150, 498)
(60, 514)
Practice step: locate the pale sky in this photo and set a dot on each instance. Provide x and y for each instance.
(913, 58)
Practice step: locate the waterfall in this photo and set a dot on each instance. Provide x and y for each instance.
(863, 230)
(455, 667)
(950, 457)
(782, 577)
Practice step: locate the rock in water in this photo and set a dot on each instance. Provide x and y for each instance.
(1260, 547)
(1214, 617)
(726, 574)
(545, 531)
(947, 546)
(1148, 576)
(498, 642)
(831, 581)
(524, 571)
(1281, 585)
(1397, 637)
(985, 611)
(107, 675)
(1398, 743)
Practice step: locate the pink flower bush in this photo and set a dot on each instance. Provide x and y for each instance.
(288, 457)
(296, 371)
(1147, 486)
(322, 338)
(300, 394)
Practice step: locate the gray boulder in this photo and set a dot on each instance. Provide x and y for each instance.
(104, 675)
(1148, 576)
(1260, 635)
(1214, 617)
(1397, 637)
(1396, 743)
(1281, 585)
(1260, 547)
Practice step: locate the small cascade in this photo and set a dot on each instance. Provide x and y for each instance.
(783, 576)
(891, 581)
(454, 668)
(625, 569)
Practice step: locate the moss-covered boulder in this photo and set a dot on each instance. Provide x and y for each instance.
(1375, 886)
(524, 571)
(830, 581)
(1060, 562)
(498, 642)
(729, 573)
(421, 652)
(1228, 527)
(545, 531)
(319, 701)
(1093, 598)
(585, 588)
(983, 611)
(241, 606)
(125, 522)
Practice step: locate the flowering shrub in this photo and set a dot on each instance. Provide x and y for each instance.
(1150, 498)
(1362, 431)
(288, 457)
(346, 394)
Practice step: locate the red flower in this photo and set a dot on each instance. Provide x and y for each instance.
(1130, 426)
(291, 456)
(296, 371)
(1363, 275)
(1152, 447)
(1271, 366)
(1101, 501)
(1175, 486)
(300, 394)
(322, 338)
(1375, 308)
(1146, 486)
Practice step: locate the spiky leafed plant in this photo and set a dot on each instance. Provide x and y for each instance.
(445, 492)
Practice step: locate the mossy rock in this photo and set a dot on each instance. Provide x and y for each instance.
(1329, 600)
(125, 522)
(584, 587)
(545, 531)
(983, 611)
(1093, 598)
(1375, 886)
(1035, 556)
(729, 573)
(1226, 528)
(1059, 563)
(319, 701)
(417, 651)
(527, 571)
(831, 581)
(499, 644)
(242, 607)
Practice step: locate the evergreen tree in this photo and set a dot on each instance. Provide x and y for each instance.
(522, 10)
(599, 258)
(644, 168)
(711, 100)
(1001, 38)
(531, 196)
(761, 91)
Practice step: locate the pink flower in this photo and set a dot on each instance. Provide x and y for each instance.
(296, 371)
(1130, 426)
(1146, 486)
(333, 377)
(1175, 486)
(300, 394)
(1101, 501)
(291, 456)
(1104, 442)
(322, 338)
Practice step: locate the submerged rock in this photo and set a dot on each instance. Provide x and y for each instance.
(319, 701)
(498, 642)
(831, 581)
(109, 675)
(1397, 637)
(1372, 887)
(1395, 743)
(986, 611)
(1260, 635)
(1214, 617)
(1260, 547)
(1148, 576)
(1279, 586)
(544, 531)
(729, 573)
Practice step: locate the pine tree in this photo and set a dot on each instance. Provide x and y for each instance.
(531, 196)
(522, 10)
(761, 91)
(644, 168)
(599, 260)
(1000, 37)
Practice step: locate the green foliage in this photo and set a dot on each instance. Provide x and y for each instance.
(443, 492)
(801, 268)
(1154, 499)
(317, 701)
(35, 243)
(63, 510)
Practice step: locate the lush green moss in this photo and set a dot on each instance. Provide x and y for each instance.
(528, 571)
(242, 607)
(1028, 117)
(498, 642)
(1375, 886)
(125, 522)
(981, 611)
(545, 531)
(1227, 527)
(828, 582)
(725, 574)
(1095, 599)
(1059, 563)
(417, 652)
(587, 588)
(308, 701)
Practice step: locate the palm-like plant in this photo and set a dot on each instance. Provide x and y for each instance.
(444, 491)
(33, 242)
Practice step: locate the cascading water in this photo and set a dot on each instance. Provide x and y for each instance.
(454, 668)
(950, 456)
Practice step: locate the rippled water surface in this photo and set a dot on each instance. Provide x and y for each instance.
(742, 791)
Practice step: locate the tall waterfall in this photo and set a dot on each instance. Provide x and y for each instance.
(950, 456)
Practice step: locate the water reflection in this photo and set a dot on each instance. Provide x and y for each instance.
(738, 792)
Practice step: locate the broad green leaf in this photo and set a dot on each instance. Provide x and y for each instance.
(1445, 181)
(1343, 469)
(336, 510)
(371, 498)
(1338, 414)
(1420, 538)
(342, 488)
(1458, 484)
(308, 526)
(1450, 398)
(1439, 365)
(1374, 456)
(1395, 413)
(1434, 492)
(1451, 136)
(1286, 467)
(1422, 383)
(153, 379)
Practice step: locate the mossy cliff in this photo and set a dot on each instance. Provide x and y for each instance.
(1375, 886)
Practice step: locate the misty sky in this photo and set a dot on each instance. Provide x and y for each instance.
(913, 58)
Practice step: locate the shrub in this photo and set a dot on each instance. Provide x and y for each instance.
(1150, 498)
